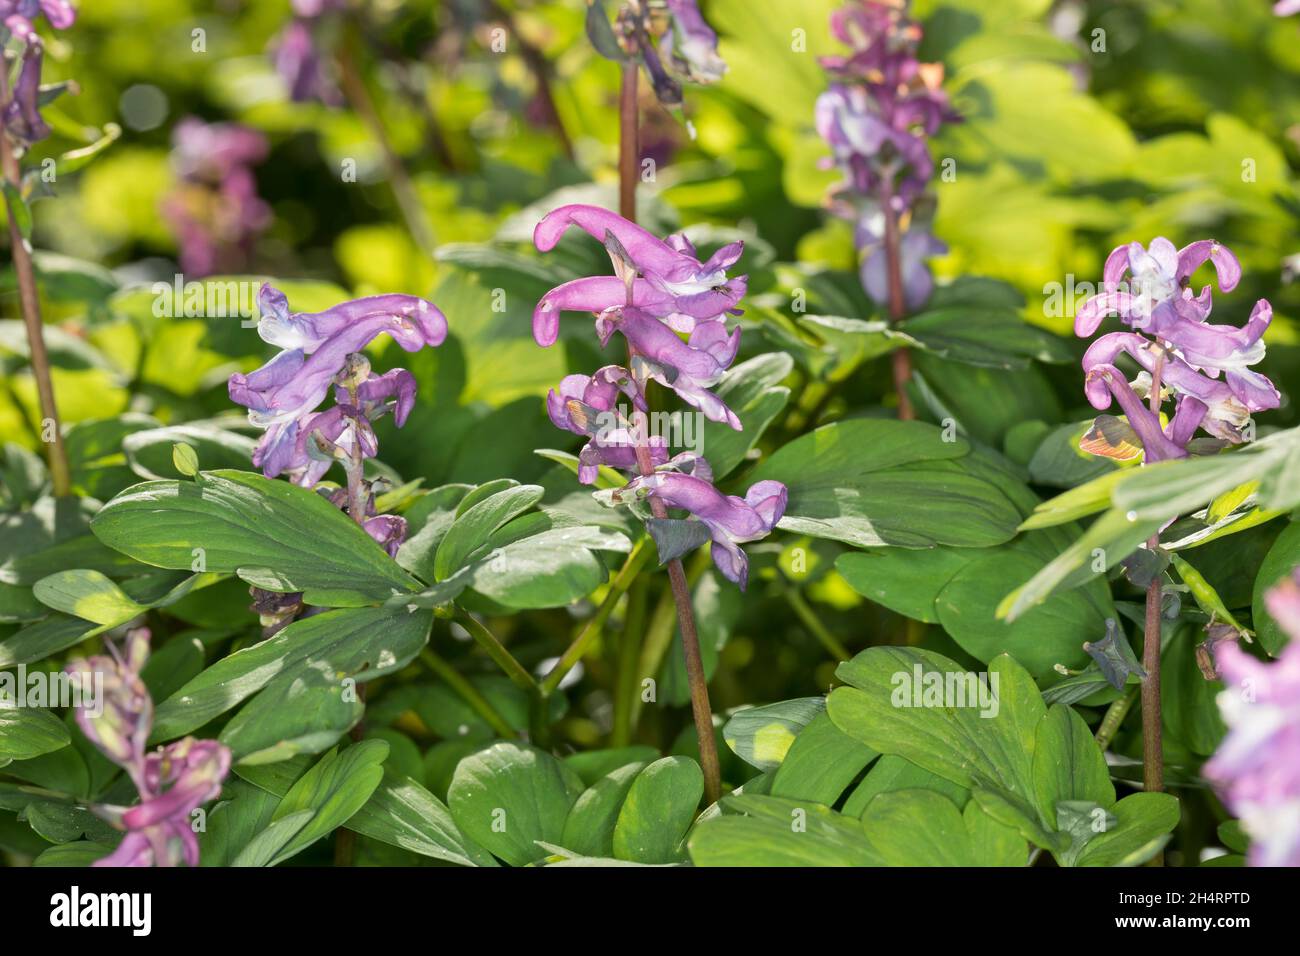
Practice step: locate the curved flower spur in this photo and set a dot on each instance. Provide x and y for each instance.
(1204, 368)
(172, 781)
(322, 352)
(660, 292)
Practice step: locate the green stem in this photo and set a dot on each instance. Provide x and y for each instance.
(497, 651)
(30, 303)
(404, 192)
(591, 630)
(813, 623)
(629, 652)
(468, 692)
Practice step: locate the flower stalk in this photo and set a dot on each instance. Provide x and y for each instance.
(29, 301)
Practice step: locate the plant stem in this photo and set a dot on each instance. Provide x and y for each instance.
(540, 67)
(628, 142)
(815, 626)
(29, 301)
(1153, 760)
(1153, 757)
(629, 652)
(468, 692)
(700, 709)
(408, 200)
(1114, 716)
(901, 358)
(517, 673)
(575, 651)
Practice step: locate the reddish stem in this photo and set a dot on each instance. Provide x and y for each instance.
(30, 303)
(901, 358)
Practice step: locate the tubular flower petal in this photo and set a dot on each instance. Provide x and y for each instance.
(1206, 366)
(1257, 766)
(731, 521)
(172, 781)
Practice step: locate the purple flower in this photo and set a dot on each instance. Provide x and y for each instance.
(877, 117)
(121, 729)
(690, 46)
(388, 530)
(1257, 767)
(18, 16)
(21, 116)
(731, 521)
(916, 246)
(298, 63)
(585, 405)
(215, 210)
(280, 394)
(172, 781)
(1204, 366)
(672, 284)
(1285, 8)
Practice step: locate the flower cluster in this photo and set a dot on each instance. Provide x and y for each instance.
(673, 41)
(215, 210)
(172, 781)
(1204, 367)
(877, 115)
(20, 115)
(1257, 767)
(661, 292)
(296, 55)
(322, 352)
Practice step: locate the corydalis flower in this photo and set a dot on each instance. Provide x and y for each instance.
(690, 46)
(877, 116)
(215, 210)
(586, 405)
(282, 395)
(731, 521)
(1257, 767)
(884, 103)
(297, 59)
(21, 116)
(671, 282)
(1205, 366)
(172, 781)
(19, 16)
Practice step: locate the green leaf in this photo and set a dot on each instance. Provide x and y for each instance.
(780, 832)
(185, 459)
(891, 706)
(88, 595)
(910, 491)
(1068, 764)
(821, 763)
(331, 791)
(301, 673)
(151, 452)
(273, 534)
(1282, 558)
(551, 569)
(27, 732)
(1144, 822)
(475, 524)
(750, 390)
(510, 797)
(658, 811)
(761, 736)
(19, 212)
(404, 814)
(589, 828)
(918, 828)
